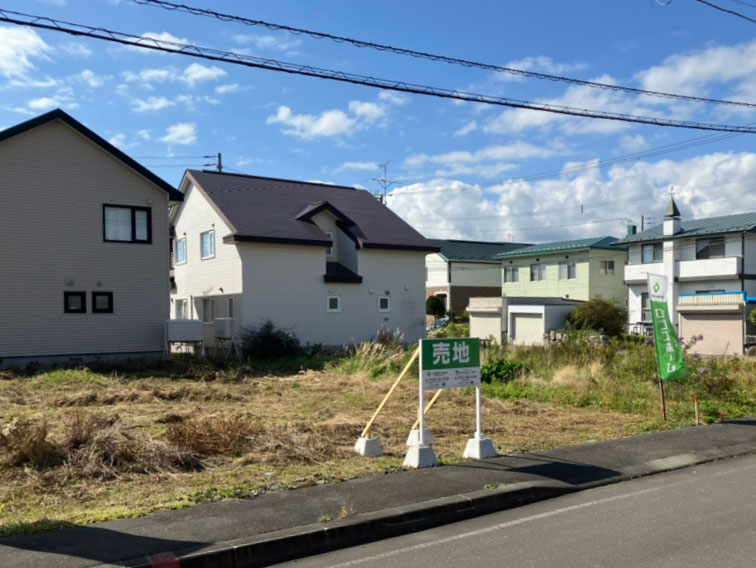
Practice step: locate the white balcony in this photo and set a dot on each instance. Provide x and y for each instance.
(727, 267)
(725, 299)
(638, 273)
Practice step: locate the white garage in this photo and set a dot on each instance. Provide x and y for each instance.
(527, 329)
(529, 323)
(721, 326)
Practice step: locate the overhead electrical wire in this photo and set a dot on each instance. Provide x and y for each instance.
(430, 56)
(80, 30)
(727, 11)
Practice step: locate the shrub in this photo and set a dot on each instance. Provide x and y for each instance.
(451, 330)
(599, 315)
(269, 342)
(435, 306)
(500, 370)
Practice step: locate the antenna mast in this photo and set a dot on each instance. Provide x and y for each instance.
(384, 182)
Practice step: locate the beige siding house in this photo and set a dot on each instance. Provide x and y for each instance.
(330, 263)
(85, 253)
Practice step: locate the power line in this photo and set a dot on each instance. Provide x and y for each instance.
(727, 11)
(430, 56)
(81, 30)
(168, 157)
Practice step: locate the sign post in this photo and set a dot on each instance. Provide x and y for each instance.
(447, 364)
(669, 353)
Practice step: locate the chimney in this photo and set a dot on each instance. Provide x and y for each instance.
(671, 219)
(632, 230)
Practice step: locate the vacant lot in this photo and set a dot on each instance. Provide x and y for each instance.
(78, 446)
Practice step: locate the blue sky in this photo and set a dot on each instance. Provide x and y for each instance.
(461, 170)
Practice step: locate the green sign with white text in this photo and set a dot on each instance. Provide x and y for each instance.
(450, 363)
(669, 353)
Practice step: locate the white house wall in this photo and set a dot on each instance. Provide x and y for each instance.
(475, 274)
(437, 270)
(285, 283)
(53, 187)
(219, 277)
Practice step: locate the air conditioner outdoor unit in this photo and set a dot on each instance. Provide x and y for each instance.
(224, 328)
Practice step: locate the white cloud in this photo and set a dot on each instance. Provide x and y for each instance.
(90, 78)
(148, 37)
(268, 42)
(539, 64)
(59, 3)
(226, 89)
(183, 134)
(632, 144)
(546, 210)
(152, 104)
(394, 98)
(358, 166)
(197, 73)
(467, 128)
(44, 103)
(329, 123)
(75, 49)
(488, 162)
(144, 134)
(18, 46)
(191, 75)
(692, 72)
(119, 141)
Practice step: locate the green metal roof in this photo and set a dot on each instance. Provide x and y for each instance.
(743, 222)
(472, 251)
(562, 246)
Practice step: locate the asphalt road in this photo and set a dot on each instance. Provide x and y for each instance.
(702, 516)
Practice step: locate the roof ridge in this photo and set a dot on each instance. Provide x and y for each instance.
(294, 181)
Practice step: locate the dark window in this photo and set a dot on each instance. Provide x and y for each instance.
(126, 224)
(102, 302)
(75, 302)
(652, 253)
(710, 248)
(646, 307)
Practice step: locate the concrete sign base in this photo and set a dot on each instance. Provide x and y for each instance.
(420, 456)
(479, 448)
(414, 438)
(368, 447)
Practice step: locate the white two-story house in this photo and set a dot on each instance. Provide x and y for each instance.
(711, 269)
(85, 255)
(330, 263)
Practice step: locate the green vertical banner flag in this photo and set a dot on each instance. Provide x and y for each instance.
(669, 353)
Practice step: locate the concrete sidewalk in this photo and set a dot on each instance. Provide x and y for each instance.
(280, 526)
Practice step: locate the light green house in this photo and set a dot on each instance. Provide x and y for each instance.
(574, 270)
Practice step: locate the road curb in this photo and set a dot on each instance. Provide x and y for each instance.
(318, 538)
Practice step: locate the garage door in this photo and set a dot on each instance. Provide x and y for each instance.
(722, 333)
(527, 329)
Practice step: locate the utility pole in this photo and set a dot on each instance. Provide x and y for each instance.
(218, 165)
(384, 182)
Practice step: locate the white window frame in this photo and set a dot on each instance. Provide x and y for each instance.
(177, 256)
(204, 256)
(540, 272)
(388, 304)
(335, 310)
(511, 274)
(205, 303)
(605, 269)
(567, 270)
(181, 308)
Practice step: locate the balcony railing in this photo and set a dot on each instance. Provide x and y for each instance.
(720, 299)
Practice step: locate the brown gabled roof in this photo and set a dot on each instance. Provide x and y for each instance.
(261, 209)
(63, 116)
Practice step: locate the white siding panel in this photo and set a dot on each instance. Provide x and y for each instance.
(475, 274)
(53, 186)
(437, 270)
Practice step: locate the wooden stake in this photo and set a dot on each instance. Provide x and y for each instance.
(663, 401)
(698, 413)
(414, 357)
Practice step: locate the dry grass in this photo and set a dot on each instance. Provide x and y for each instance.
(84, 447)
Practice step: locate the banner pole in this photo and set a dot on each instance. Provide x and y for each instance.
(421, 409)
(478, 414)
(663, 400)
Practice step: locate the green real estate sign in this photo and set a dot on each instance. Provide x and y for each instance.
(450, 363)
(669, 353)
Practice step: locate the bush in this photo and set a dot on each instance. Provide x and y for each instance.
(269, 342)
(451, 330)
(435, 306)
(600, 315)
(500, 370)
